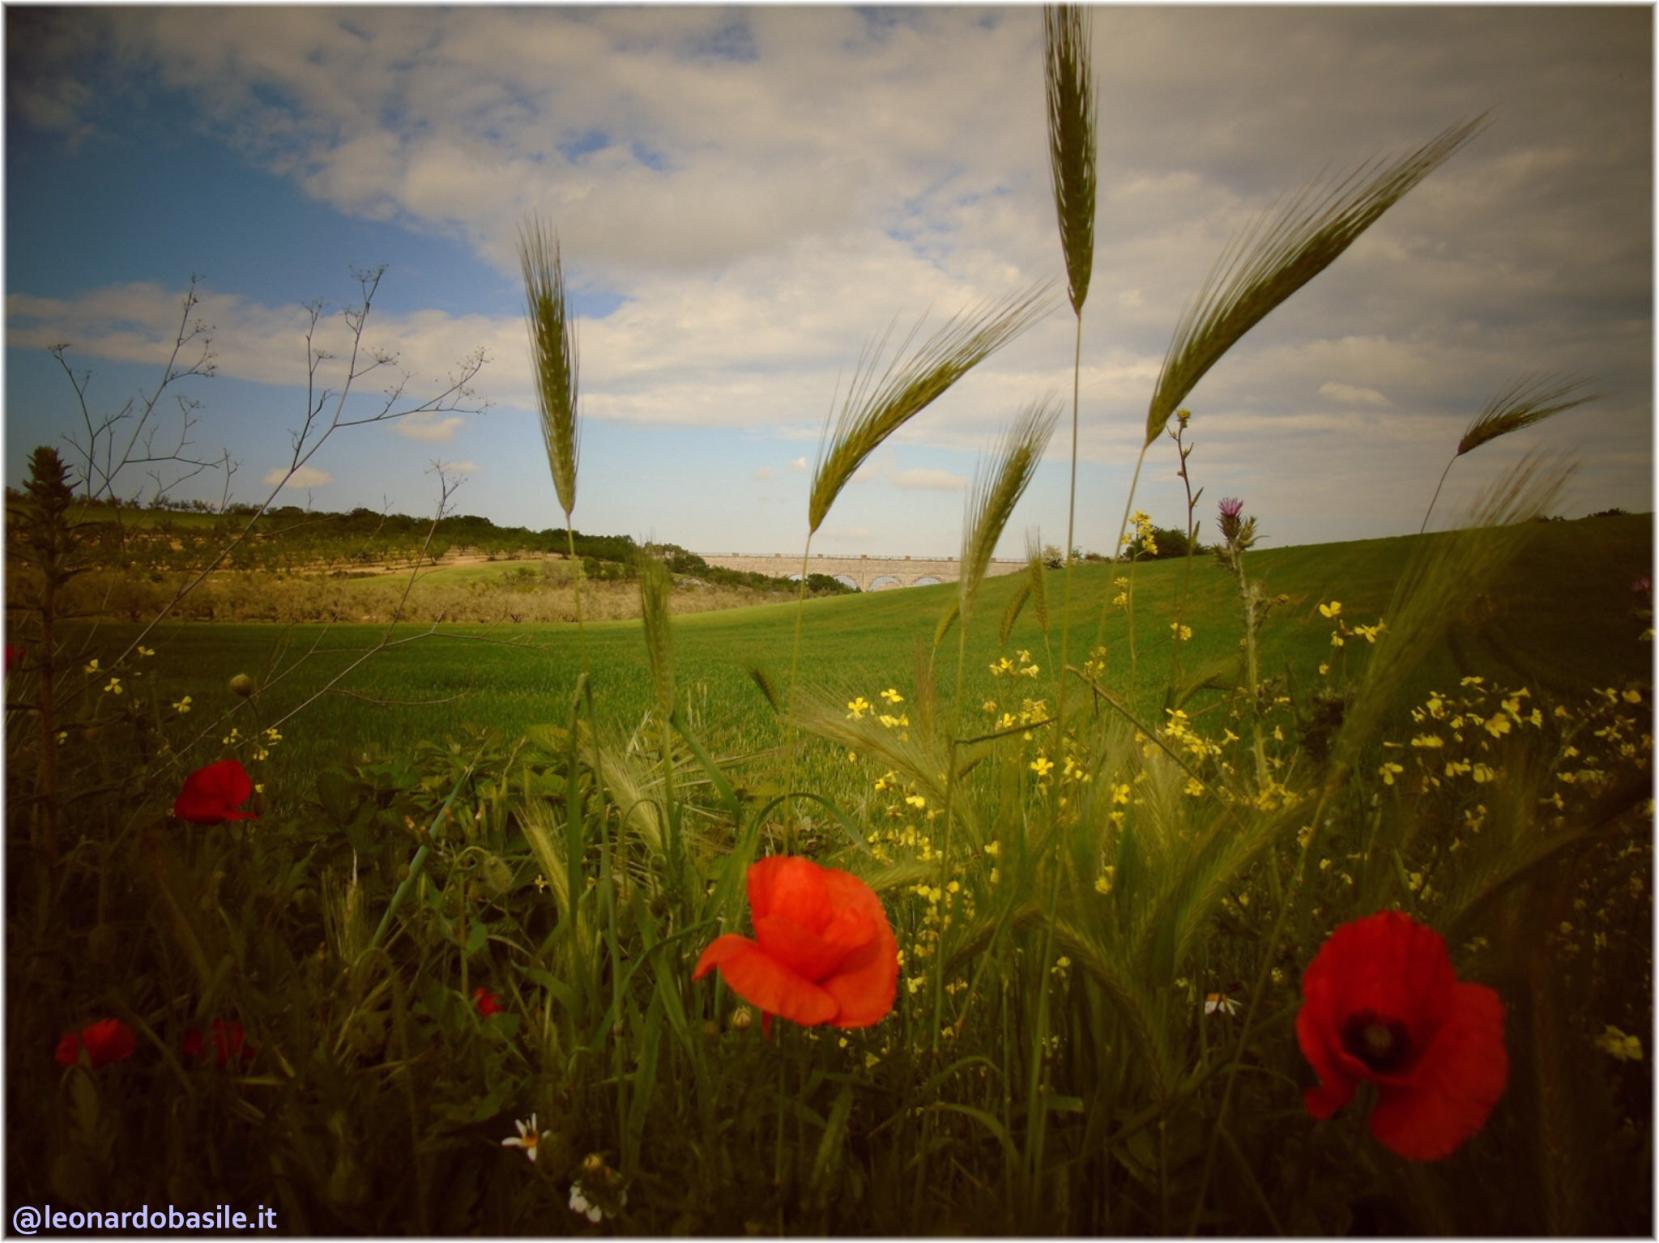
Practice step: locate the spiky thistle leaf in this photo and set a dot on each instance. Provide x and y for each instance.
(552, 355)
(1526, 402)
(1069, 75)
(998, 486)
(1280, 253)
(878, 405)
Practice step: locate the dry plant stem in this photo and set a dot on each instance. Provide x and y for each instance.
(581, 630)
(315, 404)
(1436, 495)
(789, 697)
(1117, 551)
(104, 431)
(1071, 530)
(1251, 671)
(386, 640)
(1186, 569)
(944, 845)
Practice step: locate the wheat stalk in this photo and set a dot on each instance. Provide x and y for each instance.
(1276, 256)
(878, 405)
(655, 586)
(552, 355)
(1528, 401)
(1034, 568)
(998, 486)
(1069, 77)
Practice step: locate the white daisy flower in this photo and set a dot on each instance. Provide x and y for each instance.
(579, 1203)
(528, 1137)
(1220, 1001)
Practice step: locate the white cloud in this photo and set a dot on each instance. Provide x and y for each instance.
(763, 218)
(1353, 394)
(463, 467)
(430, 427)
(928, 479)
(304, 477)
(763, 473)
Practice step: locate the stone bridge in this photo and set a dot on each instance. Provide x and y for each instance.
(864, 573)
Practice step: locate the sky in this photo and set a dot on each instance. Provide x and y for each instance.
(747, 199)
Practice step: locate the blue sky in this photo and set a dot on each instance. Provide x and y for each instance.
(746, 197)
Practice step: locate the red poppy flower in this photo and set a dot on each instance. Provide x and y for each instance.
(69, 1049)
(487, 1002)
(823, 951)
(227, 1037)
(1380, 1002)
(212, 795)
(14, 656)
(106, 1041)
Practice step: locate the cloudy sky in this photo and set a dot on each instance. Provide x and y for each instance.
(747, 197)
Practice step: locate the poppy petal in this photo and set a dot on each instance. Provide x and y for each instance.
(212, 794)
(767, 985)
(867, 981)
(865, 986)
(1455, 1082)
(69, 1050)
(717, 952)
(1385, 964)
(788, 884)
(809, 954)
(1336, 1086)
(108, 1040)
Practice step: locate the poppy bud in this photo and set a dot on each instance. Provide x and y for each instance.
(241, 685)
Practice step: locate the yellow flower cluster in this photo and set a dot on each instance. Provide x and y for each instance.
(1140, 541)
(1002, 666)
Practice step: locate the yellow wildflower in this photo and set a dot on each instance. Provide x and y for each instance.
(1617, 1044)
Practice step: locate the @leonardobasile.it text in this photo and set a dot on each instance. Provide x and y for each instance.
(219, 1219)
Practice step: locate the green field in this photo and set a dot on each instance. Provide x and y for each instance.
(1560, 616)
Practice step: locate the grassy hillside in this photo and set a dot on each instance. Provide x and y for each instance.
(1561, 616)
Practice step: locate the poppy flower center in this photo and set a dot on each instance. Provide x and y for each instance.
(1380, 1042)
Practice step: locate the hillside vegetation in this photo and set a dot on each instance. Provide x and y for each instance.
(293, 565)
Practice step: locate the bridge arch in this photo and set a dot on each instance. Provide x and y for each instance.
(927, 580)
(847, 580)
(882, 582)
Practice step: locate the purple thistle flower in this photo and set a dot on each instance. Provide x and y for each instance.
(1231, 507)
